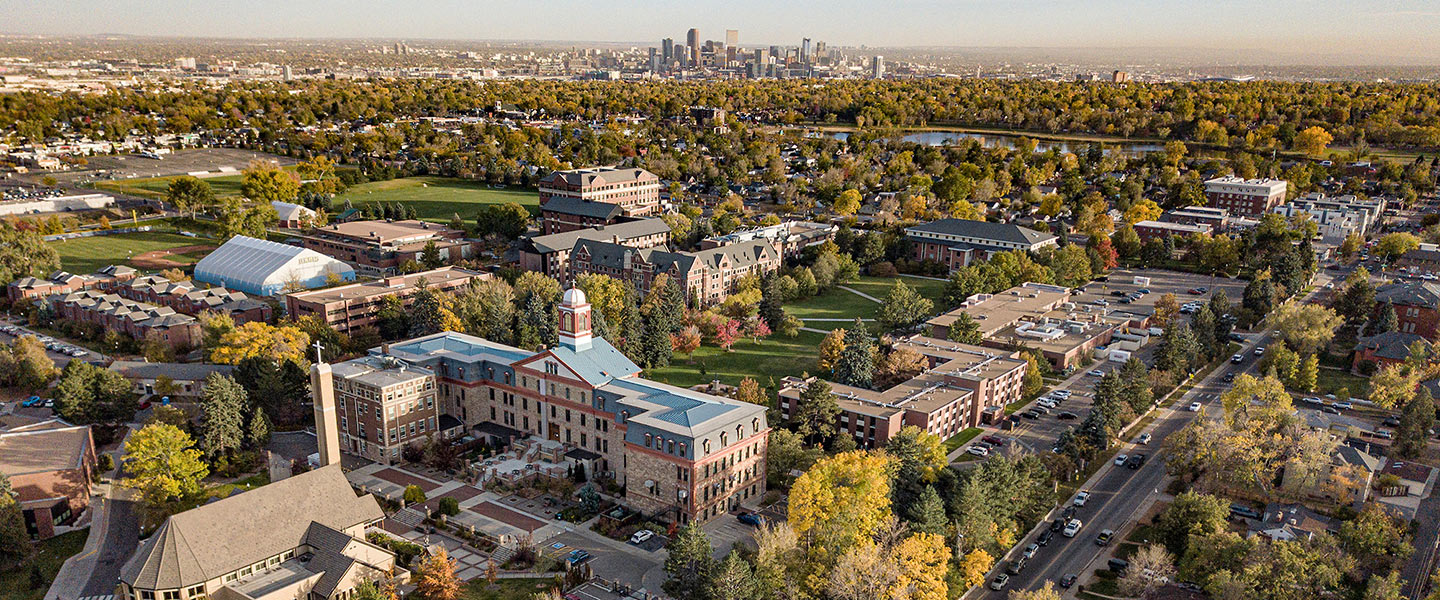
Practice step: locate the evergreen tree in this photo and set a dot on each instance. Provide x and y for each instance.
(14, 539)
(1202, 324)
(856, 366)
(224, 406)
(427, 312)
(258, 433)
(633, 334)
(537, 327)
(1416, 419)
(965, 329)
(690, 565)
(927, 513)
(430, 256)
(770, 304)
(655, 342)
(1305, 378)
(815, 411)
(733, 580)
(1177, 349)
(1385, 321)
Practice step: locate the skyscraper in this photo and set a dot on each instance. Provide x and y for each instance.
(732, 44)
(877, 67)
(692, 41)
(805, 51)
(667, 52)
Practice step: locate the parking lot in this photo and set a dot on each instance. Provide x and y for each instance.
(58, 350)
(179, 162)
(1186, 287)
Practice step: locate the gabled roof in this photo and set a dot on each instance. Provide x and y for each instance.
(598, 364)
(207, 542)
(984, 230)
(1414, 293)
(598, 176)
(1394, 345)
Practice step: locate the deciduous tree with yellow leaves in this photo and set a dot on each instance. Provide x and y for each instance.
(842, 499)
(280, 343)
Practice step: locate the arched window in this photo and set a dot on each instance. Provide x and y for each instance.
(648, 437)
(568, 323)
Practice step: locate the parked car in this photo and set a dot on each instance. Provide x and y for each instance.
(979, 451)
(1391, 422)
(1081, 498)
(1072, 528)
(1237, 359)
(1061, 393)
(578, 556)
(752, 519)
(1240, 510)
(1118, 565)
(641, 536)
(1199, 291)
(31, 401)
(1120, 459)
(1044, 538)
(1229, 377)
(1136, 461)
(1343, 405)
(1057, 524)
(1330, 409)
(1029, 551)
(1095, 373)
(1143, 439)
(1031, 414)
(1068, 580)
(1017, 565)
(1066, 416)
(998, 583)
(1104, 538)
(1260, 351)
(994, 439)
(1047, 403)
(1069, 513)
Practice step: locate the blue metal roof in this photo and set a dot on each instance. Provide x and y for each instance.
(598, 364)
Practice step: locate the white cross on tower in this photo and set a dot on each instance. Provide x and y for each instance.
(318, 348)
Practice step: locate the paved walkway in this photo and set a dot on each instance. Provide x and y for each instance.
(861, 294)
(925, 277)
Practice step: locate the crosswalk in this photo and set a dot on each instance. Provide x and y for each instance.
(104, 597)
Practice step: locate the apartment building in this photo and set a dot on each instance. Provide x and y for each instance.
(1217, 218)
(384, 404)
(378, 248)
(707, 277)
(681, 455)
(62, 282)
(565, 213)
(635, 191)
(136, 319)
(1245, 197)
(1153, 230)
(188, 297)
(956, 243)
(1038, 316)
(1422, 261)
(550, 254)
(789, 238)
(1417, 306)
(49, 465)
(348, 307)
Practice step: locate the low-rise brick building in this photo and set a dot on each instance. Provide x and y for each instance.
(707, 277)
(61, 282)
(358, 305)
(1417, 306)
(49, 465)
(550, 254)
(137, 319)
(635, 191)
(378, 248)
(956, 243)
(1153, 230)
(190, 298)
(1245, 197)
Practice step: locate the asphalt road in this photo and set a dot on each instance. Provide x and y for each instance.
(122, 538)
(1118, 494)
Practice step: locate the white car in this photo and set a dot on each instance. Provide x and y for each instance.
(1095, 373)
(1061, 393)
(1081, 498)
(1144, 439)
(979, 451)
(1194, 407)
(641, 536)
(1120, 459)
(1047, 403)
(1072, 528)
(1343, 405)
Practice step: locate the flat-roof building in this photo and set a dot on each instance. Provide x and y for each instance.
(49, 465)
(1037, 316)
(358, 305)
(1151, 230)
(1245, 197)
(379, 248)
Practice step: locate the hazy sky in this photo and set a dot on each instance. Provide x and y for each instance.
(1390, 27)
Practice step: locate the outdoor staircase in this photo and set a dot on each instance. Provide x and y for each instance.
(502, 555)
(410, 517)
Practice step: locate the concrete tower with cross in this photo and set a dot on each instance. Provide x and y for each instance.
(327, 428)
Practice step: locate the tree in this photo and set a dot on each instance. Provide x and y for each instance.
(1150, 568)
(24, 252)
(973, 567)
(89, 394)
(927, 514)
(749, 391)
(1416, 419)
(830, 350)
(163, 465)
(414, 494)
(898, 366)
(922, 560)
(1392, 246)
(1144, 210)
(189, 194)
(257, 434)
(1306, 328)
(430, 256)
(1072, 266)
(1167, 308)
(964, 329)
(1177, 349)
(1312, 140)
(14, 539)
(430, 313)
(787, 453)
(690, 564)
(904, 307)
(1047, 592)
(847, 203)
(841, 499)
(1191, 514)
(26, 364)
(862, 573)
(856, 366)
(1305, 377)
(507, 221)
(279, 343)
(264, 183)
(733, 580)
(1350, 246)
(435, 577)
(1384, 320)
(223, 405)
(815, 412)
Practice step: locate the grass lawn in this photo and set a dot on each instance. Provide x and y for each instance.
(959, 439)
(155, 187)
(879, 287)
(85, 255)
(438, 198)
(50, 554)
(1329, 381)
(834, 304)
(505, 589)
(775, 357)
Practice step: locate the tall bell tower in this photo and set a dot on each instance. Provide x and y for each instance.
(575, 320)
